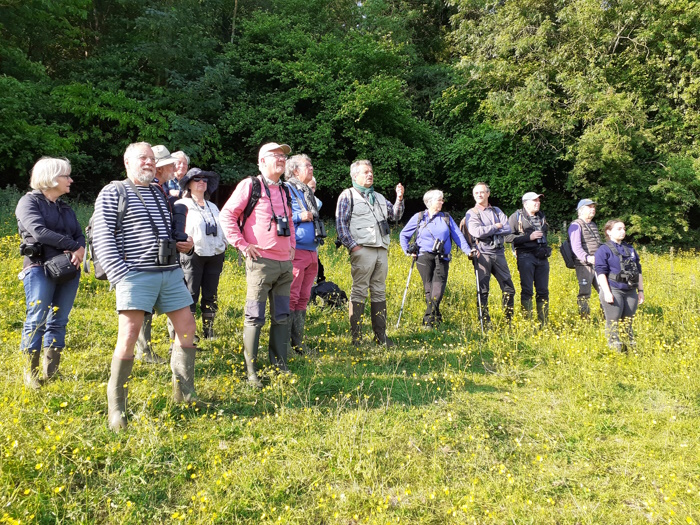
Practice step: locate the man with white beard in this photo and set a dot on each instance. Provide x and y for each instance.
(141, 263)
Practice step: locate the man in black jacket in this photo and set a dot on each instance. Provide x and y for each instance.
(529, 239)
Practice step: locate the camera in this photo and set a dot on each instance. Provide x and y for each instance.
(32, 250)
(319, 231)
(413, 249)
(438, 246)
(337, 243)
(211, 229)
(282, 226)
(384, 227)
(629, 272)
(167, 252)
(179, 220)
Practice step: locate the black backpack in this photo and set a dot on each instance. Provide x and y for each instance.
(330, 294)
(122, 204)
(255, 193)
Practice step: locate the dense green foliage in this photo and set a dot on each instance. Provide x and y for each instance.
(583, 98)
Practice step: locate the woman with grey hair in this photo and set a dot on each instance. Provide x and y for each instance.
(428, 238)
(309, 233)
(51, 238)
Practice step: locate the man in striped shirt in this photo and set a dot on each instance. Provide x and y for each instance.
(141, 264)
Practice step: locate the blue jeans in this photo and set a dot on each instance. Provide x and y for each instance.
(48, 307)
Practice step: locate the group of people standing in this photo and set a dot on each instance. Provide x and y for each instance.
(162, 247)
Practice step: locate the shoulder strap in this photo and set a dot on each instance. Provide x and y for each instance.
(122, 203)
(285, 187)
(253, 199)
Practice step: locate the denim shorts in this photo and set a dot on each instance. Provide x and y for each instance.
(160, 291)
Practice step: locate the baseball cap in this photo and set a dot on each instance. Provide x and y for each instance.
(271, 146)
(163, 156)
(531, 196)
(584, 202)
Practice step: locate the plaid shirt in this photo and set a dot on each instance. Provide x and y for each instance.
(343, 213)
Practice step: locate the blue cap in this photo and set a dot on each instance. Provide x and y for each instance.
(584, 202)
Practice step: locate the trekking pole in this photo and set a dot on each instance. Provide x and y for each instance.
(478, 296)
(408, 281)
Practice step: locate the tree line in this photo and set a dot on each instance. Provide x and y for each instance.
(571, 98)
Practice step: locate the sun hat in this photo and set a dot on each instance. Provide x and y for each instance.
(212, 179)
(163, 156)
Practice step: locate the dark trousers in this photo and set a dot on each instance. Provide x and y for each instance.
(620, 312)
(585, 275)
(487, 264)
(433, 271)
(202, 275)
(533, 270)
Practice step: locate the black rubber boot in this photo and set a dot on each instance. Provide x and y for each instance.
(356, 311)
(296, 331)
(52, 358)
(208, 325)
(144, 350)
(277, 349)
(378, 310)
(31, 373)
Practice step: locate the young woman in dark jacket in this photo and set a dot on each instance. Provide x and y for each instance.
(621, 286)
(48, 228)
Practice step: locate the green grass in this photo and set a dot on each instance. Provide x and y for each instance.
(448, 427)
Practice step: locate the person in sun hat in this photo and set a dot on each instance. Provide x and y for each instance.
(182, 166)
(529, 237)
(585, 241)
(204, 266)
(265, 236)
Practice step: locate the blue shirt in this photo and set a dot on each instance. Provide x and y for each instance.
(432, 228)
(304, 231)
(606, 262)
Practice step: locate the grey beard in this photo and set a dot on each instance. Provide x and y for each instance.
(144, 177)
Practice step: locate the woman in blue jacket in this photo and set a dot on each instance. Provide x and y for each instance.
(434, 233)
(620, 280)
(309, 233)
(48, 228)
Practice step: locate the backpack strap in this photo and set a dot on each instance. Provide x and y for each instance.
(253, 199)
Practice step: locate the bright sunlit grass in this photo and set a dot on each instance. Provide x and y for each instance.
(523, 426)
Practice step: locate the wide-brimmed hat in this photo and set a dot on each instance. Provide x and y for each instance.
(212, 179)
(163, 156)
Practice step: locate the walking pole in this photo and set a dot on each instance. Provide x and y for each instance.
(408, 281)
(478, 296)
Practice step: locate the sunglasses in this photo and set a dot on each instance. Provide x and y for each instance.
(199, 179)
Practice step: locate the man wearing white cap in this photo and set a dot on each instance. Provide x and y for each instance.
(585, 240)
(529, 237)
(265, 235)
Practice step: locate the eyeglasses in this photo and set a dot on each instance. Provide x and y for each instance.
(278, 156)
(199, 179)
(143, 158)
(64, 176)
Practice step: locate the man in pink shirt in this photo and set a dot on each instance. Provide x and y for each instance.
(266, 238)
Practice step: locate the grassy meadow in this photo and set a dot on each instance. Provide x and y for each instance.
(449, 427)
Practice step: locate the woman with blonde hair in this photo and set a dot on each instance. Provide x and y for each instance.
(53, 246)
